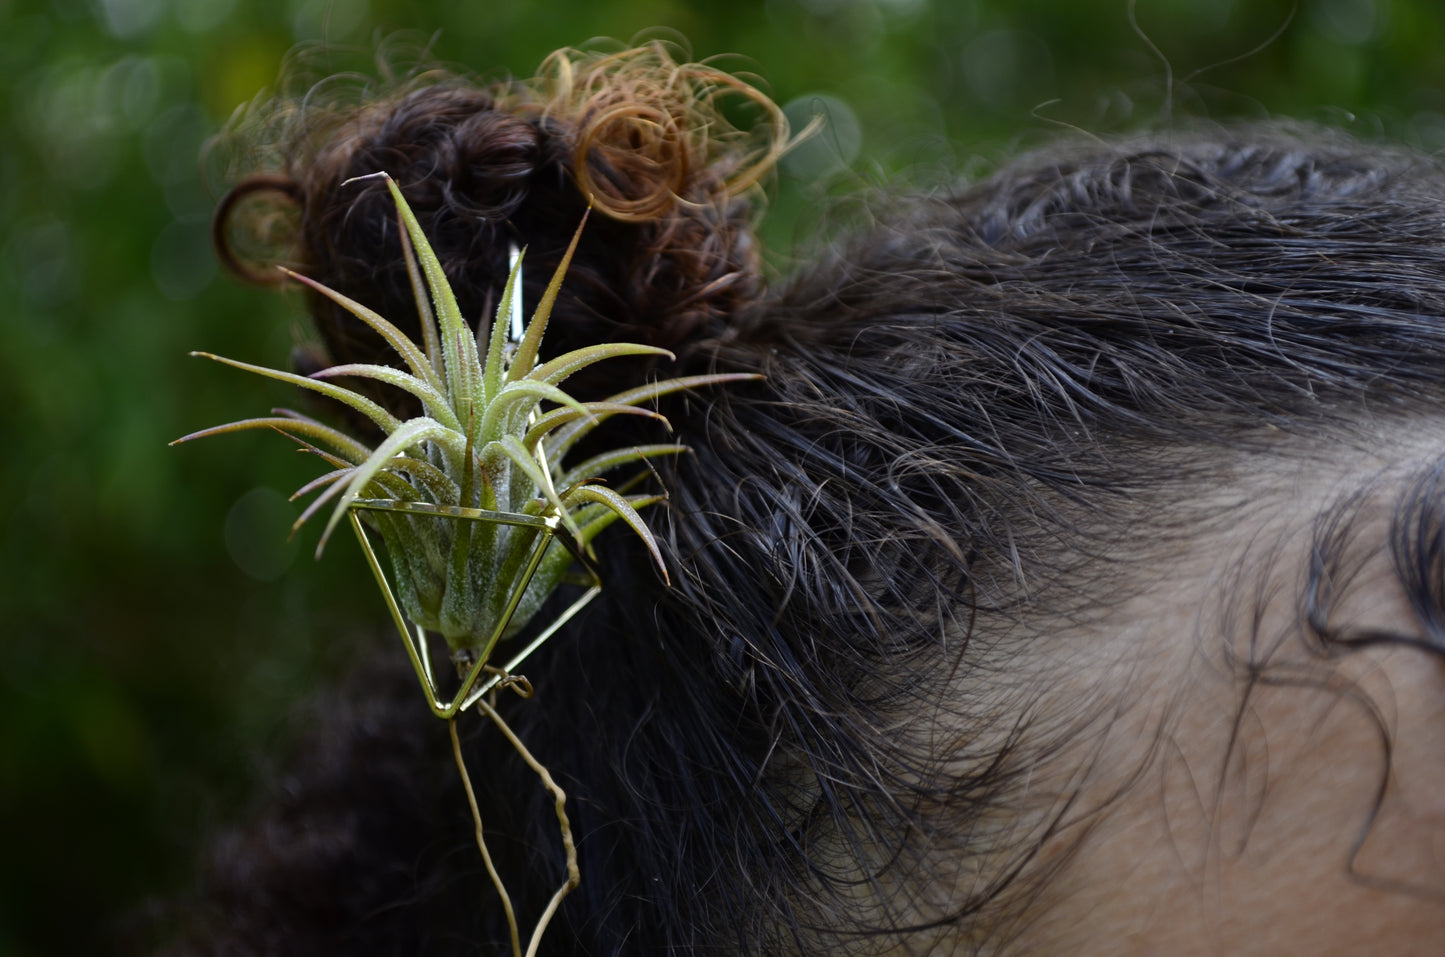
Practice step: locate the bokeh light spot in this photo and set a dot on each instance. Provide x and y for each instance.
(833, 147)
(181, 260)
(258, 534)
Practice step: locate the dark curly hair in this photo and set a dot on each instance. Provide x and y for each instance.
(641, 137)
(987, 416)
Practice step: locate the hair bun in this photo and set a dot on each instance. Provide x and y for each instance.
(638, 135)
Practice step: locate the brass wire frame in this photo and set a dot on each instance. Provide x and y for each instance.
(473, 690)
(549, 528)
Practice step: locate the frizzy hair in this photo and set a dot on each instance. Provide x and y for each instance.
(979, 416)
(642, 138)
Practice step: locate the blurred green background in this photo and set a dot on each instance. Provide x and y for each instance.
(158, 628)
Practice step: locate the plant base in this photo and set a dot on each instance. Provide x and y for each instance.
(479, 675)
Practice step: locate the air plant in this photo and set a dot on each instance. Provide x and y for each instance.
(483, 443)
(481, 517)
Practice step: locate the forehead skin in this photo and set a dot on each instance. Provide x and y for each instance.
(1234, 805)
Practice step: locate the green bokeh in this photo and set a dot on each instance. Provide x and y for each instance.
(157, 632)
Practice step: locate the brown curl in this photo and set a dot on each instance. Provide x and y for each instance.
(637, 134)
(226, 252)
(652, 124)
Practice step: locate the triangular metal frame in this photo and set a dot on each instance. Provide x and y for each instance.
(414, 637)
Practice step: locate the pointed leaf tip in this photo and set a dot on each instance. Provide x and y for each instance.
(379, 174)
(624, 510)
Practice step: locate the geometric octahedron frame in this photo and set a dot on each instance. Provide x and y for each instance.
(415, 637)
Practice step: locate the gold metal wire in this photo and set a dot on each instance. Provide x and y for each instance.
(414, 637)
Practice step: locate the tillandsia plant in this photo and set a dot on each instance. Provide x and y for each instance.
(483, 442)
(482, 518)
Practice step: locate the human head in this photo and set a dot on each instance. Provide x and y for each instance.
(1070, 582)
